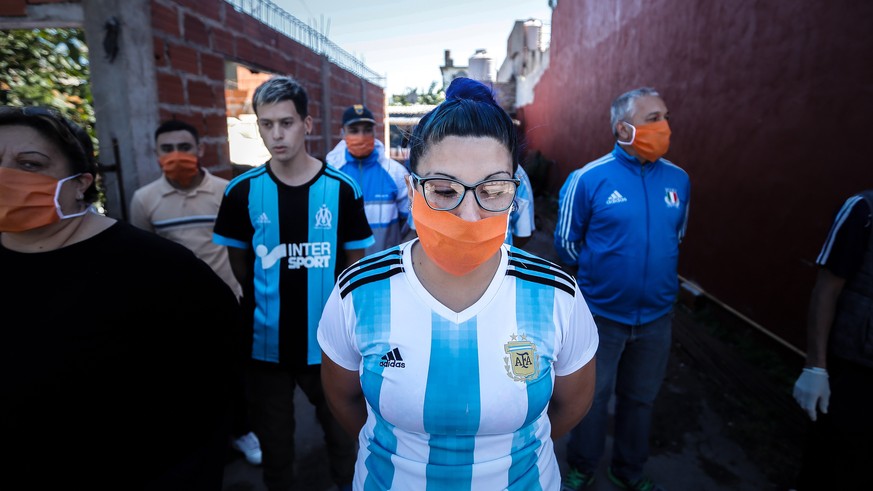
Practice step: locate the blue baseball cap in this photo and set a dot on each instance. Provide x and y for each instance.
(358, 114)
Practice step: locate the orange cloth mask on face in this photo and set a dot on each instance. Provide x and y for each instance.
(651, 141)
(29, 200)
(180, 167)
(360, 146)
(454, 244)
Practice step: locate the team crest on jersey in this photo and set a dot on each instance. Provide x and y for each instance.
(521, 364)
(671, 198)
(323, 217)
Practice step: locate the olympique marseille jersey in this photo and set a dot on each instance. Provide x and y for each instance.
(295, 238)
(457, 400)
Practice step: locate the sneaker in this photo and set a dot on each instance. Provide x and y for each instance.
(249, 445)
(577, 480)
(641, 484)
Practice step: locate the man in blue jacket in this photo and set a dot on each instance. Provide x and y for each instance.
(620, 221)
(382, 180)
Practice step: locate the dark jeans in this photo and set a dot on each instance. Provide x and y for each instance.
(239, 424)
(631, 363)
(271, 412)
(839, 445)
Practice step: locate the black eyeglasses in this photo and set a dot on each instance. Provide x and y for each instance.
(444, 194)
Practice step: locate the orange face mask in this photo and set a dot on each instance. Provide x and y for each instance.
(360, 146)
(29, 200)
(454, 244)
(651, 141)
(180, 167)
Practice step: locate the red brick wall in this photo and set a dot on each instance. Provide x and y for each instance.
(192, 40)
(769, 103)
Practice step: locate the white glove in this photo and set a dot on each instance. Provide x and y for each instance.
(812, 387)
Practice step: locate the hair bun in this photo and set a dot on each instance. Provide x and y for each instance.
(467, 88)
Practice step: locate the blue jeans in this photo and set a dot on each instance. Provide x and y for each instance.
(631, 362)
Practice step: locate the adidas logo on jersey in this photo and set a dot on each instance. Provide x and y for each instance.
(615, 197)
(392, 359)
(263, 218)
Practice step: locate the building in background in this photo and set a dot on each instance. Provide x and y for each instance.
(401, 120)
(450, 71)
(513, 84)
(527, 58)
(480, 66)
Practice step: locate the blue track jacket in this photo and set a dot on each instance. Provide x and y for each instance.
(621, 223)
(383, 182)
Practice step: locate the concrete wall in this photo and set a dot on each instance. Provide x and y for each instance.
(769, 101)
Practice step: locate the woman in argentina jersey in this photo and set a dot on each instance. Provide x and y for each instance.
(456, 359)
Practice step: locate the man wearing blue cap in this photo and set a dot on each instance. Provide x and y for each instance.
(383, 180)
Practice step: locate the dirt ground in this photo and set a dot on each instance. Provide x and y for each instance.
(725, 381)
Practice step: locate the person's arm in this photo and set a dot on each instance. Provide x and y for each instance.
(812, 389)
(572, 221)
(522, 225)
(342, 389)
(402, 201)
(353, 256)
(571, 399)
(822, 307)
(238, 263)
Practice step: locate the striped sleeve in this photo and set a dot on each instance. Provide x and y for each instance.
(847, 239)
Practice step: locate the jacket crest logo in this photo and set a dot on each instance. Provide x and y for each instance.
(671, 198)
(521, 364)
(323, 217)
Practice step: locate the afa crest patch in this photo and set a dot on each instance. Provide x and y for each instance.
(521, 364)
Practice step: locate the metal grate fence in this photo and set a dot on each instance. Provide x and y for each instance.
(276, 17)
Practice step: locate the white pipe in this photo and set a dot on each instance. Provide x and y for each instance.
(745, 319)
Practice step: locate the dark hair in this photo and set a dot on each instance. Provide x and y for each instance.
(70, 138)
(176, 125)
(469, 110)
(278, 89)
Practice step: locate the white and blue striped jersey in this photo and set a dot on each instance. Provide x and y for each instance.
(457, 400)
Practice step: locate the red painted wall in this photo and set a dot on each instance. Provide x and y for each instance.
(192, 40)
(769, 103)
